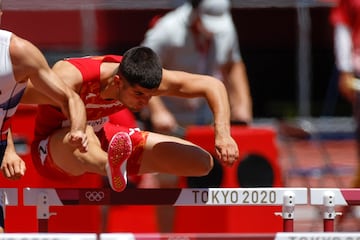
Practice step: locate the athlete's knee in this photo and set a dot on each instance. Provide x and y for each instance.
(91, 135)
(206, 163)
(90, 130)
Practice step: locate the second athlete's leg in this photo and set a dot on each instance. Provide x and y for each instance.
(74, 162)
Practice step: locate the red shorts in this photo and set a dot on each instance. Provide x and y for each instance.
(44, 163)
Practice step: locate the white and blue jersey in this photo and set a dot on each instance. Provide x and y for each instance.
(10, 90)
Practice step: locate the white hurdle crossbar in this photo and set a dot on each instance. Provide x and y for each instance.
(331, 197)
(43, 198)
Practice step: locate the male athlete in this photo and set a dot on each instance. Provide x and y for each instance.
(108, 84)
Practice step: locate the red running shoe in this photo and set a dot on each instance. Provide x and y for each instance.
(120, 148)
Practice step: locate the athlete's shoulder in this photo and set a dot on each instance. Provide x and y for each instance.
(25, 54)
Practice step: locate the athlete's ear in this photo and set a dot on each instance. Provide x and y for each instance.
(118, 80)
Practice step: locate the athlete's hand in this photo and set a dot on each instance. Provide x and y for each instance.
(13, 167)
(78, 139)
(226, 150)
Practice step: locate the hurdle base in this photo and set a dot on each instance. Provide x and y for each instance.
(43, 225)
(288, 225)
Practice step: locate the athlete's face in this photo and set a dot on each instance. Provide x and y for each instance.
(134, 97)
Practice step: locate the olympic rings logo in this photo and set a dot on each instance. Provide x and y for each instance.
(95, 196)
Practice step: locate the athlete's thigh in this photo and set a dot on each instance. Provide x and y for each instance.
(169, 154)
(62, 153)
(67, 157)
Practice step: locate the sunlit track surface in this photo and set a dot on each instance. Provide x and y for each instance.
(343, 154)
(26, 5)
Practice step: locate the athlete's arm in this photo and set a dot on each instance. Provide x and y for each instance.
(12, 166)
(30, 64)
(237, 86)
(183, 84)
(343, 55)
(161, 118)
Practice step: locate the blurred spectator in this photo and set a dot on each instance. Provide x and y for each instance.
(199, 37)
(204, 41)
(345, 17)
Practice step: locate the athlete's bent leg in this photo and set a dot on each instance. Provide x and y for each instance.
(173, 155)
(74, 162)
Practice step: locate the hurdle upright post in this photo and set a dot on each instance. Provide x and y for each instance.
(44, 199)
(329, 213)
(43, 212)
(328, 198)
(288, 211)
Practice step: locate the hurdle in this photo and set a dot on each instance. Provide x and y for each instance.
(43, 198)
(328, 198)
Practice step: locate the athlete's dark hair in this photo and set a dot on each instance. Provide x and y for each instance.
(141, 66)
